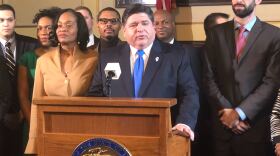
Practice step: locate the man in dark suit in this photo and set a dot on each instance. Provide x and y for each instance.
(109, 25)
(241, 75)
(167, 71)
(87, 14)
(5, 99)
(165, 31)
(12, 47)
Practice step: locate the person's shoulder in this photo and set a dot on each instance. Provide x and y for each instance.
(171, 48)
(269, 26)
(48, 55)
(114, 50)
(90, 53)
(20, 37)
(29, 53)
(268, 31)
(223, 26)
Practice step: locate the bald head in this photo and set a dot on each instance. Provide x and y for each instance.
(164, 25)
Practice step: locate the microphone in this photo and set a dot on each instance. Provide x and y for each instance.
(112, 72)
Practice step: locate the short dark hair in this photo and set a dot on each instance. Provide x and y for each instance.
(50, 13)
(108, 9)
(210, 20)
(84, 8)
(8, 7)
(137, 8)
(82, 34)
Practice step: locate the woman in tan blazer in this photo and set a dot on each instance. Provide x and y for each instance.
(67, 69)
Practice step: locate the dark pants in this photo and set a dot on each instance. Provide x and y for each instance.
(10, 141)
(236, 147)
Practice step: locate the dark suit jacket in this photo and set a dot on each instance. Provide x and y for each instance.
(195, 59)
(169, 77)
(102, 45)
(249, 83)
(5, 89)
(23, 44)
(203, 119)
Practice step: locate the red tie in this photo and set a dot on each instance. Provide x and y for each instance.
(240, 41)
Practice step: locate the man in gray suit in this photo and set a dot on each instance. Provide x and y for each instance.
(240, 79)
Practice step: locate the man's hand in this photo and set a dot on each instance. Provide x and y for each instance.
(183, 130)
(241, 127)
(229, 117)
(277, 149)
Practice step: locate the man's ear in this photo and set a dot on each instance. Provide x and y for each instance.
(123, 29)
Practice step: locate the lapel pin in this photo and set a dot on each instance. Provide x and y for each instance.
(157, 58)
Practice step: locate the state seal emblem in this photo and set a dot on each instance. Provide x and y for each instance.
(100, 147)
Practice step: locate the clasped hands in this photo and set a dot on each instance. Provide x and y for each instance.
(230, 119)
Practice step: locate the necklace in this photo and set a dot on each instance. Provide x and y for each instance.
(66, 80)
(66, 60)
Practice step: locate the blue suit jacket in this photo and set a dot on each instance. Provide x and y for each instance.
(169, 77)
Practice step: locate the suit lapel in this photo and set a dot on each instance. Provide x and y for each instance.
(230, 36)
(230, 41)
(126, 76)
(153, 64)
(257, 28)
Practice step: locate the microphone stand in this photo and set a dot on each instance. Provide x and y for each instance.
(108, 83)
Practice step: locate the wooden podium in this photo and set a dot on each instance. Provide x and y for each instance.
(142, 125)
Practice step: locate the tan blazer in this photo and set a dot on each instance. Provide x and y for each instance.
(50, 80)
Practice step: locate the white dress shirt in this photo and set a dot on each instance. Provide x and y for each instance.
(91, 40)
(13, 46)
(134, 56)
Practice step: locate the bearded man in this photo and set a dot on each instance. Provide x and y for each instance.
(241, 67)
(109, 25)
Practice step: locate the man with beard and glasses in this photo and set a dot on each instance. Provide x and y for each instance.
(241, 68)
(109, 25)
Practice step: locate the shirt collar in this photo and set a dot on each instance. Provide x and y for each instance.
(172, 41)
(146, 50)
(91, 40)
(3, 42)
(248, 26)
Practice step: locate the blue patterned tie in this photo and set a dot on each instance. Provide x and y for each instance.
(138, 72)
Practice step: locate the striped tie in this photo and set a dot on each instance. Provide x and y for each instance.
(10, 62)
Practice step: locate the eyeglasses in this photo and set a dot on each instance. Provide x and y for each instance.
(106, 20)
